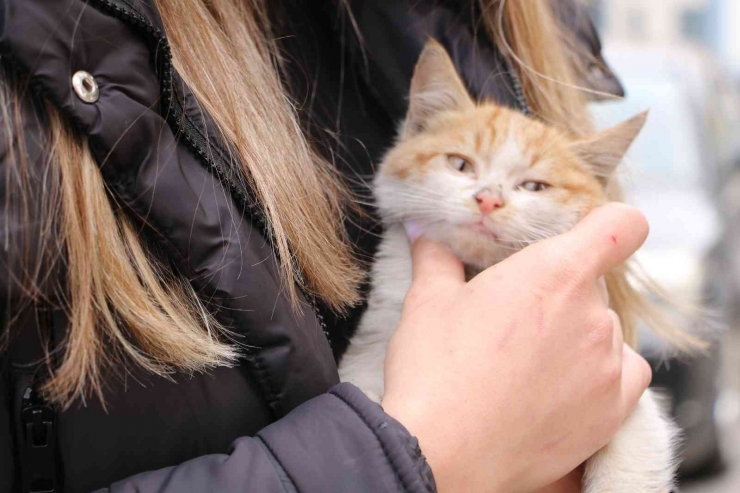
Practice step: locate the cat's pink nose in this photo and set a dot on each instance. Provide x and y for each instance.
(488, 202)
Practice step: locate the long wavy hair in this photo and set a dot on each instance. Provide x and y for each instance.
(122, 303)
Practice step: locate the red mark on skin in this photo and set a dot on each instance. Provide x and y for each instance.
(506, 337)
(552, 444)
(614, 239)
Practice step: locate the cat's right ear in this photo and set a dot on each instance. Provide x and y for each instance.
(605, 150)
(435, 87)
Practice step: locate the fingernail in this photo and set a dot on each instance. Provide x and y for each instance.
(413, 230)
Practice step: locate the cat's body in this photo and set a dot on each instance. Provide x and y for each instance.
(488, 181)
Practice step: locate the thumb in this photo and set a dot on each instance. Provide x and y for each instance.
(432, 261)
(606, 237)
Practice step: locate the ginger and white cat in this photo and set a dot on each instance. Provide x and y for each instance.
(488, 181)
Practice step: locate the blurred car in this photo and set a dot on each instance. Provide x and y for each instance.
(673, 174)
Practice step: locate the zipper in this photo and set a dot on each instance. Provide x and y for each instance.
(37, 444)
(35, 425)
(194, 139)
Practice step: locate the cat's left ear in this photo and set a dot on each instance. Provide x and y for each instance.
(605, 150)
(435, 87)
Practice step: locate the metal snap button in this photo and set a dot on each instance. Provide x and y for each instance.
(85, 86)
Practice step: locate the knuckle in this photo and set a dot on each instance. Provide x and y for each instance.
(613, 424)
(647, 372)
(602, 331)
(607, 385)
(613, 375)
(641, 367)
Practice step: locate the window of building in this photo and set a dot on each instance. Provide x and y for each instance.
(636, 24)
(693, 23)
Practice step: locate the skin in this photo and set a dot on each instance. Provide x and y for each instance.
(569, 484)
(463, 355)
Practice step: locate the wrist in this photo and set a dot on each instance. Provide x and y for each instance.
(439, 455)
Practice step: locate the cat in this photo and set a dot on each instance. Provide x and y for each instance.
(487, 181)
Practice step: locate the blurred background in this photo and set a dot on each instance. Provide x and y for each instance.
(681, 60)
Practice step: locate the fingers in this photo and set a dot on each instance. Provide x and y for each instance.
(636, 372)
(569, 484)
(433, 261)
(618, 335)
(607, 237)
(603, 290)
(636, 377)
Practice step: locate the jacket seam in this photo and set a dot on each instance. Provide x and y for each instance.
(383, 447)
(275, 462)
(176, 110)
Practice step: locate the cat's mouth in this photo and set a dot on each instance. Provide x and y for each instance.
(483, 230)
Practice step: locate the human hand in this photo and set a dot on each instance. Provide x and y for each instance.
(515, 378)
(572, 483)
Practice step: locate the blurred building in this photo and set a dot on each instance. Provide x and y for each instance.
(681, 59)
(712, 23)
(656, 22)
(723, 35)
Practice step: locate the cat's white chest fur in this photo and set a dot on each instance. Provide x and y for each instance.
(363, 362)
(641, 457)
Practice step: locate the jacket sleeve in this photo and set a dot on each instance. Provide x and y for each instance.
(337, 442)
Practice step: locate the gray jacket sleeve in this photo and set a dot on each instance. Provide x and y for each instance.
(337, 442)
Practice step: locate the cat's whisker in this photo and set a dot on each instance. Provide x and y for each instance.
(410, 184)
(410, 195)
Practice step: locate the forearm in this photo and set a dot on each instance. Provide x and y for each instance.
(340, 441)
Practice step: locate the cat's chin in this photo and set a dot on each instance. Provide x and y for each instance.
(475, 246)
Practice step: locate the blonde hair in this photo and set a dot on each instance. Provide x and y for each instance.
(528, 34)
(240, 88)
(122, 304)
(112, 281)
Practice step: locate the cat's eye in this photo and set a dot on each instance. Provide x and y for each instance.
(534, 186)
(460, 164)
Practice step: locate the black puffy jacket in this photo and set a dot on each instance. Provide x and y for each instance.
(279, 422)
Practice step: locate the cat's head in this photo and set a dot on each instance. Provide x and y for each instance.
(487, 180)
